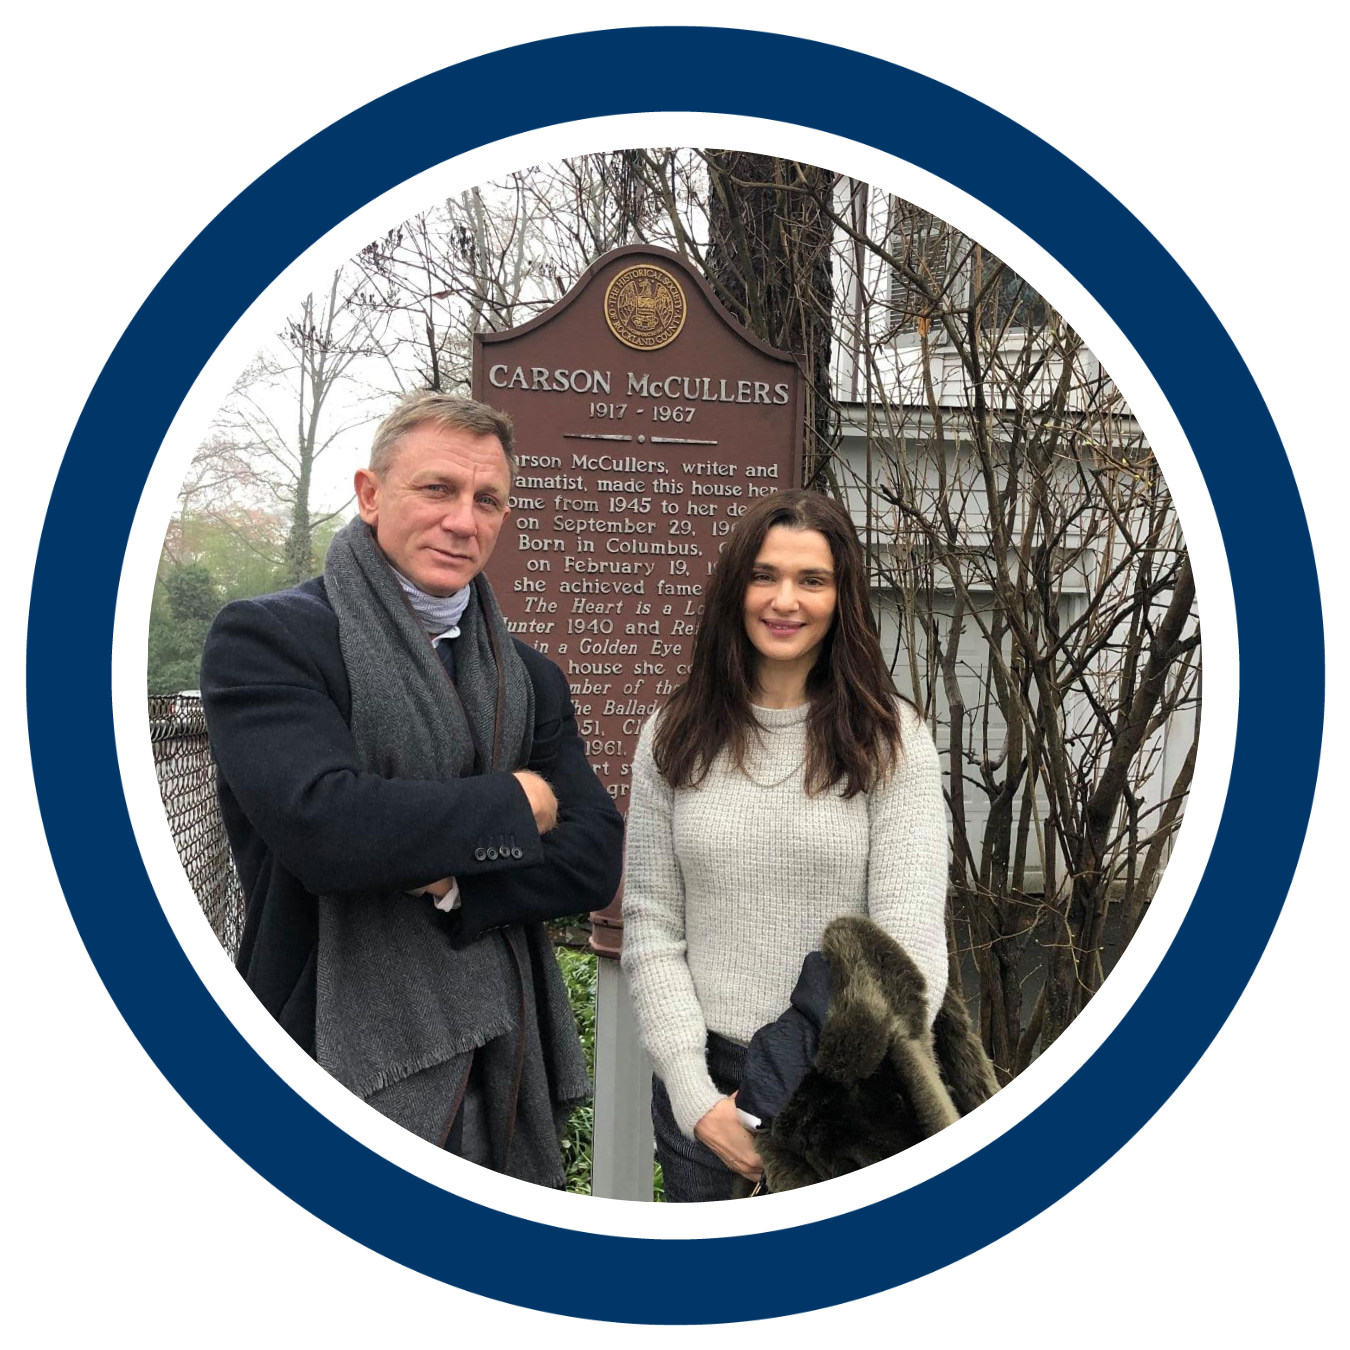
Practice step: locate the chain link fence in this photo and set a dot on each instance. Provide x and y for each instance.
(187, 787)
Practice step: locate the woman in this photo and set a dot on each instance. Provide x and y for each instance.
(785, 784)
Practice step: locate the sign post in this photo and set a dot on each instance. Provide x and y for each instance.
(647, 420)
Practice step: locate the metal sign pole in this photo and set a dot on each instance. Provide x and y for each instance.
(622, 1154)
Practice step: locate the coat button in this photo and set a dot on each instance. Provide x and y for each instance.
(480, 854)
(517, 853)
(492, 855)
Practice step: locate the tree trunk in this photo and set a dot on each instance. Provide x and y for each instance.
(769, 262)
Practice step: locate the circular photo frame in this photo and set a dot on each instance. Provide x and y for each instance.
(988, 1193)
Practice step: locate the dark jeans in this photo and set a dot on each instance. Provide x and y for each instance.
(692, 1171)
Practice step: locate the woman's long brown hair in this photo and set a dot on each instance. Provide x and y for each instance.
(852, 730)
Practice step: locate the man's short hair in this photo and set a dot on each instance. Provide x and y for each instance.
(450, 413)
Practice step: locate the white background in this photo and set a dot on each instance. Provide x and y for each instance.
(128, 129)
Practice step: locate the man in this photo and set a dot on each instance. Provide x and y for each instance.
(407, 797)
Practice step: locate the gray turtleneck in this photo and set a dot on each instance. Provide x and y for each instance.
(438, 614)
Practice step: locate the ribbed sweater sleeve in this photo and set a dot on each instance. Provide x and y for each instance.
(668, 1011)
(907, 863)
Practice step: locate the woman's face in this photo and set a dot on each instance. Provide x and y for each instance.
(790, 598)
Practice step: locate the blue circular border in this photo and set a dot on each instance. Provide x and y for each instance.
(216, 1070)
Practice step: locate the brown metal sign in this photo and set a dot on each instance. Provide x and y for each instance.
(647, 420)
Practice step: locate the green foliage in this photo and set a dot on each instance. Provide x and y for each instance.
(207, 562)
(579, 973)
(576, 1149)
(323, 536)
(580, 969)
(191, 596)
(185, 602)
(242, 550)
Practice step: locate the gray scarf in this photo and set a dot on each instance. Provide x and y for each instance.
(401, 1012)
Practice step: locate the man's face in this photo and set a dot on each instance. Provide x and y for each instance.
(438, 509)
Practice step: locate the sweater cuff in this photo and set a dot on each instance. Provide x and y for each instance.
(692, 1092)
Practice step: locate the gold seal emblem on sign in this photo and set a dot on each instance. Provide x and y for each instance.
(644, 307)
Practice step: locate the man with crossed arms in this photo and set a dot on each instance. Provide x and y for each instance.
(407, 798)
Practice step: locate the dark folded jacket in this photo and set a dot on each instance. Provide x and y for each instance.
(781, 1052)
(851, 1073)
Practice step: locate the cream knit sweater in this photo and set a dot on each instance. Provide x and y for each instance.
(730, 884)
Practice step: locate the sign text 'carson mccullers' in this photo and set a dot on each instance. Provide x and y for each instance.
(629, 480)
(692, 388)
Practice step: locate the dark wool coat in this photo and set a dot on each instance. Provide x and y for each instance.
(880, 1080)
(304, 819)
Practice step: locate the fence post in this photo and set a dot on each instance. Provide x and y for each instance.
(621, 1152)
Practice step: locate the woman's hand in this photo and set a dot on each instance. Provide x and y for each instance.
(721, 1130)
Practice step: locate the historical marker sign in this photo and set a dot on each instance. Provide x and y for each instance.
(646, 422)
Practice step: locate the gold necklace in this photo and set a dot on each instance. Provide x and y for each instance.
(777, 782)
